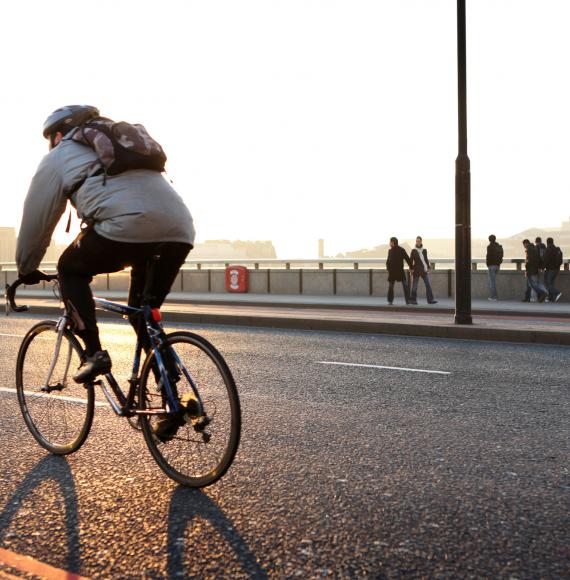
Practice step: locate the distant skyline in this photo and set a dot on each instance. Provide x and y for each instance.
(264, 249)
(307, 119)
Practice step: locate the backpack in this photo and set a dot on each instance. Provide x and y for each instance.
(559, 257)
(540, 248)
(120, 146)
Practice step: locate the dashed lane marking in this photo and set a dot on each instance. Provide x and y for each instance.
(326, 362)
(60, 398)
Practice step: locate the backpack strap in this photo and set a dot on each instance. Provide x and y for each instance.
(68, 226)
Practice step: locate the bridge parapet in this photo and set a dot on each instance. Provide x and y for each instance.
(330, 277)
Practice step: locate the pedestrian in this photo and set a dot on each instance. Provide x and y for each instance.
(420, 269)
(395, 266)
(552, 262)
(131, 215)
(494, 259)
(531, 267)
(540, 248)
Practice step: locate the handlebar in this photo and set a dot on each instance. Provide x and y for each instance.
(10, 293)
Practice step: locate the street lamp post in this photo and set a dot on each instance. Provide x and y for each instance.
(462, 186)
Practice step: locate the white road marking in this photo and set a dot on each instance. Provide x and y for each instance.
(12, 335)
(325, 362)
(68, 399)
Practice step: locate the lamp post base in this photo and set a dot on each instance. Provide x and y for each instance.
(463, 319)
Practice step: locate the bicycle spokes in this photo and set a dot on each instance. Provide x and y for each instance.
(57, 411)
(200, 442)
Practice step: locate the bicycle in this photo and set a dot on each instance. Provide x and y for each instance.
(182, 374)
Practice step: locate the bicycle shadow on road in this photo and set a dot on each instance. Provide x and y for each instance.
(56, 470)
(187, 505)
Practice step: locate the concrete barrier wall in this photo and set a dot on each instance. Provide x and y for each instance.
(258, 282)
(511, 284)
(318, 282)
(353, 282)
(284, 281)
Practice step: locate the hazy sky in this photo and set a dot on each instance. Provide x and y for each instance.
(295, 120)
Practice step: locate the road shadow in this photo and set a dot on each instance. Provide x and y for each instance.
(54, 469)
(187, 505)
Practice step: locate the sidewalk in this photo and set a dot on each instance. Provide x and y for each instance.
(445, 305)
(509, 321)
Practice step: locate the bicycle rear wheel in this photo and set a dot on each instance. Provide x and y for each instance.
(57, 411)
(196, 456)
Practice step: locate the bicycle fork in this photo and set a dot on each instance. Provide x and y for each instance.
(60, 329)
(158, 340)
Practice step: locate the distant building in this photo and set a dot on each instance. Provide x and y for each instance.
(211, 249)
(53, 252)
(377, 252)
(7, 244)
(222, 249)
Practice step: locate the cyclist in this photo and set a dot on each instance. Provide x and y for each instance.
(132, 216)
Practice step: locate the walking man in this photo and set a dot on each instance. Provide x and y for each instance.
(552, 263)
(420, 269)
(540, 248)
(531, 266)
(494, 260)
(395, 267)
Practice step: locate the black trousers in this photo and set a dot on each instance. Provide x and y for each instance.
(405, 285)
(91, 254)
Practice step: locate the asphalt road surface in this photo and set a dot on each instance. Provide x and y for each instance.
(451, 463)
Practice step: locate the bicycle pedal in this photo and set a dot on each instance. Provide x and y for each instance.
(190, 405)
(200, 423)
(50, 388)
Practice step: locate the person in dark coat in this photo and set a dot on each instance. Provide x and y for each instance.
(532, 264)
(395, 266)
(493, 259)
(552, 263)
(540, 248)
(420, 269)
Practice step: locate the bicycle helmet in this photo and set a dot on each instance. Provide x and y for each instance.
(64, 118)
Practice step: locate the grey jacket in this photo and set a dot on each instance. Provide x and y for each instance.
(135, 206)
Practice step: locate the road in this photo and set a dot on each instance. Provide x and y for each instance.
(345, 470)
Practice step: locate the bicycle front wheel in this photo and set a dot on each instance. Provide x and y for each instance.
(57, 411)
(197, 455)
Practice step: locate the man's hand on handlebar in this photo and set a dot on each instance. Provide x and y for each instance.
(34, 277)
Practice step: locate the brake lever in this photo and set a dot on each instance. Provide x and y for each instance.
(10, 303)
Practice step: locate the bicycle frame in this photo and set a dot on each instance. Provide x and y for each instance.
(122, 404)
(156, 335)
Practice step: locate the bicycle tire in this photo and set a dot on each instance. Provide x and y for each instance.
(60, 419)
(183, 458)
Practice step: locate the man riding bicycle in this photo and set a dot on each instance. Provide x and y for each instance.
(131, 216)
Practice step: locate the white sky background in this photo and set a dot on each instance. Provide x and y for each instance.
(295, 120)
